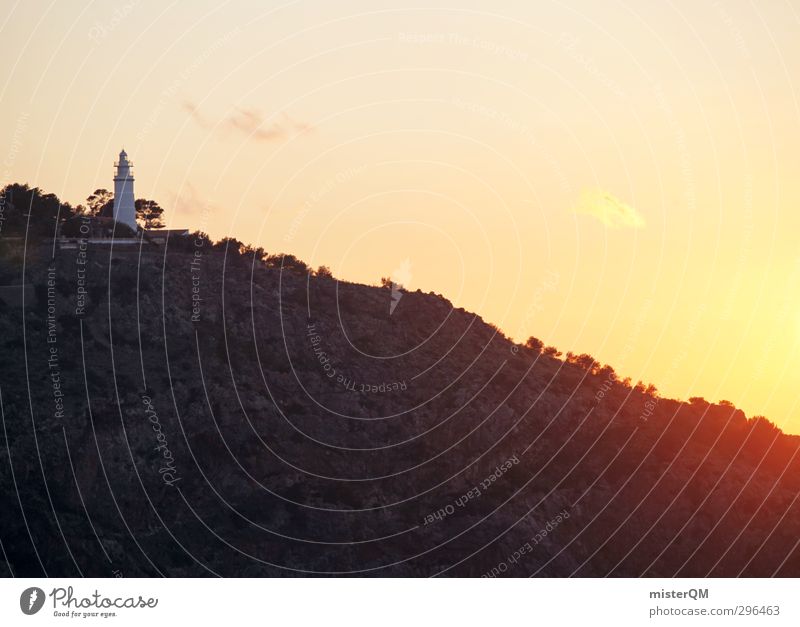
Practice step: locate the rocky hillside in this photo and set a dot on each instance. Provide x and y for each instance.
(209, 413)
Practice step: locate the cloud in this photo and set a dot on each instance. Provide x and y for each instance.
(610, 210)
(195, 114)
(250, 123)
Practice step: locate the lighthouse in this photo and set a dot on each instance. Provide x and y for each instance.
(124, 204)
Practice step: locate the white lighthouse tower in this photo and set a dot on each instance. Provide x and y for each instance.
(124, 204)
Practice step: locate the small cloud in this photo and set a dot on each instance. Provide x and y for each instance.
(251, 123)
(609, 209)
(195, 114)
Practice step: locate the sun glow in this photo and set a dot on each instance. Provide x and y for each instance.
(645, 156)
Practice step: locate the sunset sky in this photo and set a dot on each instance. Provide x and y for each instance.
(617, 178)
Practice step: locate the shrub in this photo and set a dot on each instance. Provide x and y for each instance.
(584, 360)
(608, 373)
(534, 344)
(288, 262)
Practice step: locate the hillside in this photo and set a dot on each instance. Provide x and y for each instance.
(284, 423)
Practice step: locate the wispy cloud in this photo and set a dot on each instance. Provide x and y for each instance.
(609, 209)
(251, 123)
(195, 114)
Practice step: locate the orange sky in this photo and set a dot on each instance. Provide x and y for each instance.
(614, 178)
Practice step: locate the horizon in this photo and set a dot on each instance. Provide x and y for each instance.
(615, 181)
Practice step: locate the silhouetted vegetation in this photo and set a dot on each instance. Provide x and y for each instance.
(308, 470)
(287, 262)
(100, 203)
(325, 272)
(534, 344)
(149, 214)
(30, 213)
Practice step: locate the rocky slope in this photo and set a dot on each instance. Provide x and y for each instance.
(214, 415)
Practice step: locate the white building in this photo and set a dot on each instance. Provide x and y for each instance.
(124, 203)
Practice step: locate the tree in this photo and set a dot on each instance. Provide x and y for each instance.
(200, 239)
(230, 245)
(196, 241)
(585, 361)
(27, 210)
(534, 344)
(288, 262)
(149, 214)
(324, 271)
(607, 373)
(100, 203)
(551, 351)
